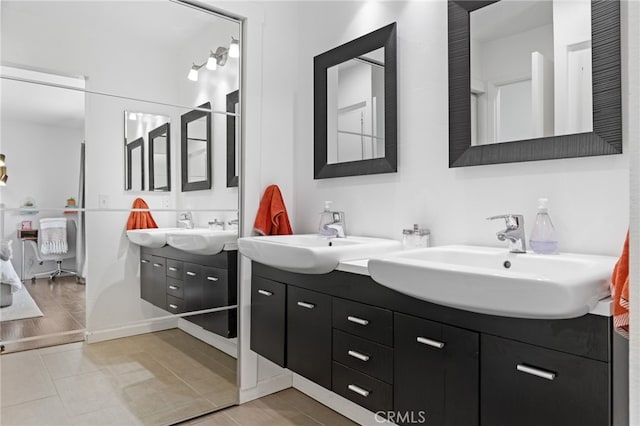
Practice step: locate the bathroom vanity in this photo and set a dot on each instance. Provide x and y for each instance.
(392, 353)
(179, 282)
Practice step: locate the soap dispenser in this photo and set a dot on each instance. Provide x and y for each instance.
(543, 237)
(326, 218)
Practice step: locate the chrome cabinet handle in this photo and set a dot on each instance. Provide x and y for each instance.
(306, 305)
(172, 306)
(265, 292)
(358, 390)
(429, 342)
(358, 320)
(191, 274)
(158, 265)
(144, 261)
(172, 268)
(212, 278)
(361, 357)
(536, 372)
(173, 287)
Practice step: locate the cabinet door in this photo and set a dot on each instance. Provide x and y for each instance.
(309, 335)
(436, 374)
(146, 277)
(193, 285)
(215, 287)
(158, 285)
(268, 308)
(527, 385)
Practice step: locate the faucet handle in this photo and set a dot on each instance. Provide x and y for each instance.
(513, 221)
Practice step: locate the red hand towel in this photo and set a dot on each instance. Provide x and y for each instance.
(272, 217)
(620, 292)
(140, 220)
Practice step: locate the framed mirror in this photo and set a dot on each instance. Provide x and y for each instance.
(195, 149)
(355, 129)
(135, 165)
(533, 80)
(160, 159)
(233, 136)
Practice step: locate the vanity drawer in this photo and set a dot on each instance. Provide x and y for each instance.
(175, 305)
(175, 288)
(365, 391)
(528, 385)
(174, 269)
(363, 320)
(363, 355)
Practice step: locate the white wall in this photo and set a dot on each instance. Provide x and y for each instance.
(588, 196)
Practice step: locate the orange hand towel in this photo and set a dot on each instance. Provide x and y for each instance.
(140, 220)
(272, 217)
(620, 292)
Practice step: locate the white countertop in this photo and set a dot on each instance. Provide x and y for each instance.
(604, 307)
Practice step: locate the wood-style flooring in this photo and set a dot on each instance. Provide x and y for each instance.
(63, 304)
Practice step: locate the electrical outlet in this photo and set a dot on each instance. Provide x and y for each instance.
(165, 202)
(103, 201)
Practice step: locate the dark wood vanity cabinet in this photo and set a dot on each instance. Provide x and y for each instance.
(416, 362)
(309, 335)
(179, 282)
(436, 372)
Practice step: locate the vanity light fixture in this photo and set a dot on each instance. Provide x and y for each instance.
(133, 116)
(193, 72)
(216, 59)
(2, 158)
(234, 48)
(3, 175)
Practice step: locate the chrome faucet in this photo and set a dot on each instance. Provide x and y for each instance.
(337, 227)
(185, 220)
(514, 233)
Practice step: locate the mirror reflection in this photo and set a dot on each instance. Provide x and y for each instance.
(530, 70)
(160, 158)
(355, 108)
(196, 149)
(137, 127)
(233, 138)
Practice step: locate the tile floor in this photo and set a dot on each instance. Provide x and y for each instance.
(63, 304)
(151, 379)
(288, 407)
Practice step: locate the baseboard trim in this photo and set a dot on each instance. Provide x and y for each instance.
(132, 330)
(228, 346)
(337, 403)
(266, 387)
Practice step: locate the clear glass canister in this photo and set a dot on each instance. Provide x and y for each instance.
(415, 238)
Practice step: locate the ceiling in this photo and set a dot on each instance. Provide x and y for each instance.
(506, 18)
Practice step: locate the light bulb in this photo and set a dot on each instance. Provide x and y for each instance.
(2, 158)
(234, 48)
(212, 62)
(133, 116)
(193, 73)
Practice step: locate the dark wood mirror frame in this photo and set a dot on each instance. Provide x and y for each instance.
(383, 37)
(232, 173)
(163, 130)
(185, 119)
(138, 143)
(606, 137)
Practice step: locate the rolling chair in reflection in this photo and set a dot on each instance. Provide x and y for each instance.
(43, 255)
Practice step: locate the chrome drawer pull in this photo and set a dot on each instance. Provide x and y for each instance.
(536, 372)
(191, 274)
(172, 306)
(429, 342)
(359, 390)
(172, 268)
(173, 287)
(144, 261)
(306, 305)
(212, 278)
(157, 265)
(265, 292)
(361, 357)
(358, 320)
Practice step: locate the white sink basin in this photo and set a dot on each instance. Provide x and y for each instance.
(152, 238)
(493, 281)
(311, 253)
(203, 241)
